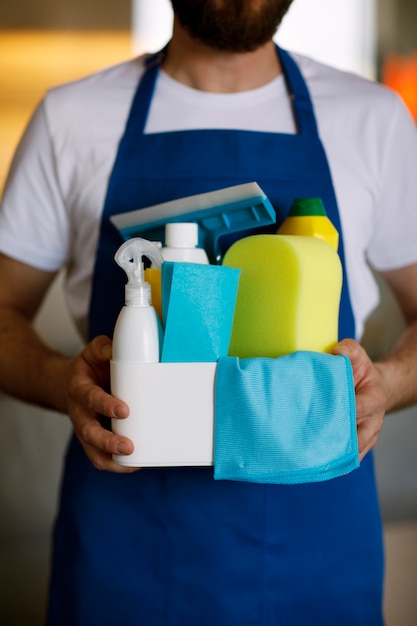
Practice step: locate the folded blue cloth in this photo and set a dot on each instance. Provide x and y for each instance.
(286, 420)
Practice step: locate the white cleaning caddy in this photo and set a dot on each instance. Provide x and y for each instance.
(171, 421)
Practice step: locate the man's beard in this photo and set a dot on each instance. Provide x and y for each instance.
(231, 25)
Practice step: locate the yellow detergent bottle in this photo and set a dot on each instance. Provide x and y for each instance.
(307, 217)
(289, 288)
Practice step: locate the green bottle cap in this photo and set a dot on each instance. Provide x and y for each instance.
(305, 207)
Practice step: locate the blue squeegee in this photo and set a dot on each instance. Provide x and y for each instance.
(217, 213)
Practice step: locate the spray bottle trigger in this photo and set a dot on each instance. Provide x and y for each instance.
(130, 258)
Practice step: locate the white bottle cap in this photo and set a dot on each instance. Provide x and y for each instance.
(181, 235)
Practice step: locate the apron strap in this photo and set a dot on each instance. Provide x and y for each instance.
(140, 105)
(296, 85)
(299, 95)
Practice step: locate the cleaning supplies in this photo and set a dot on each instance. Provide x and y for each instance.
(198, 304)
(171, 404)
(181, 243)
(137, 331)
(136, 334)
(217, 213)
(308, 217)
(181, 246)
(289, 292)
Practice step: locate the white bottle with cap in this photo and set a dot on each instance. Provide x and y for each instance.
(136, 339)
(181, 243)
(136, 334)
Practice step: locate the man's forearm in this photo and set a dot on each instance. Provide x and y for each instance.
(29, 368)
(399, 370)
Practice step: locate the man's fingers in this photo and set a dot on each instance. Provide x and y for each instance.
(93, 434)
(370, 395)
(98, 351)
(89, 400)
(98, 401)
(103, 462)
(100, 444)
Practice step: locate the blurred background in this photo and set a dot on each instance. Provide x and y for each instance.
(48, 42)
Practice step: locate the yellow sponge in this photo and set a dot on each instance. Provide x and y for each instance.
(289, 295)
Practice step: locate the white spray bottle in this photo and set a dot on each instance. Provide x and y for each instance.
(137, 331)
(136, 338)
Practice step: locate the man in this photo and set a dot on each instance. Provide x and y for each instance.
(220, 106)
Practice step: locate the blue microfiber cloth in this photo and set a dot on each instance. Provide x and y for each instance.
(286, 420)
(198, 304)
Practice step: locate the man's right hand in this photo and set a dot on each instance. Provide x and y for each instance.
(88, 401)
(37, 373)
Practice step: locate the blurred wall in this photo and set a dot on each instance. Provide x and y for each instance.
(95, 14)
(397, 26)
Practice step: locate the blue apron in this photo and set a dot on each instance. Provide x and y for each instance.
(171, 546)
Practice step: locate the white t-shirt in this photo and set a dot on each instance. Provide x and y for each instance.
(55, 191)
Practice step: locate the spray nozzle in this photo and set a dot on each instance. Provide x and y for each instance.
(130, 258)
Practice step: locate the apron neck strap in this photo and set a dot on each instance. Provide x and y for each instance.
(296, 86)
(143, 96)
(299, 95)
